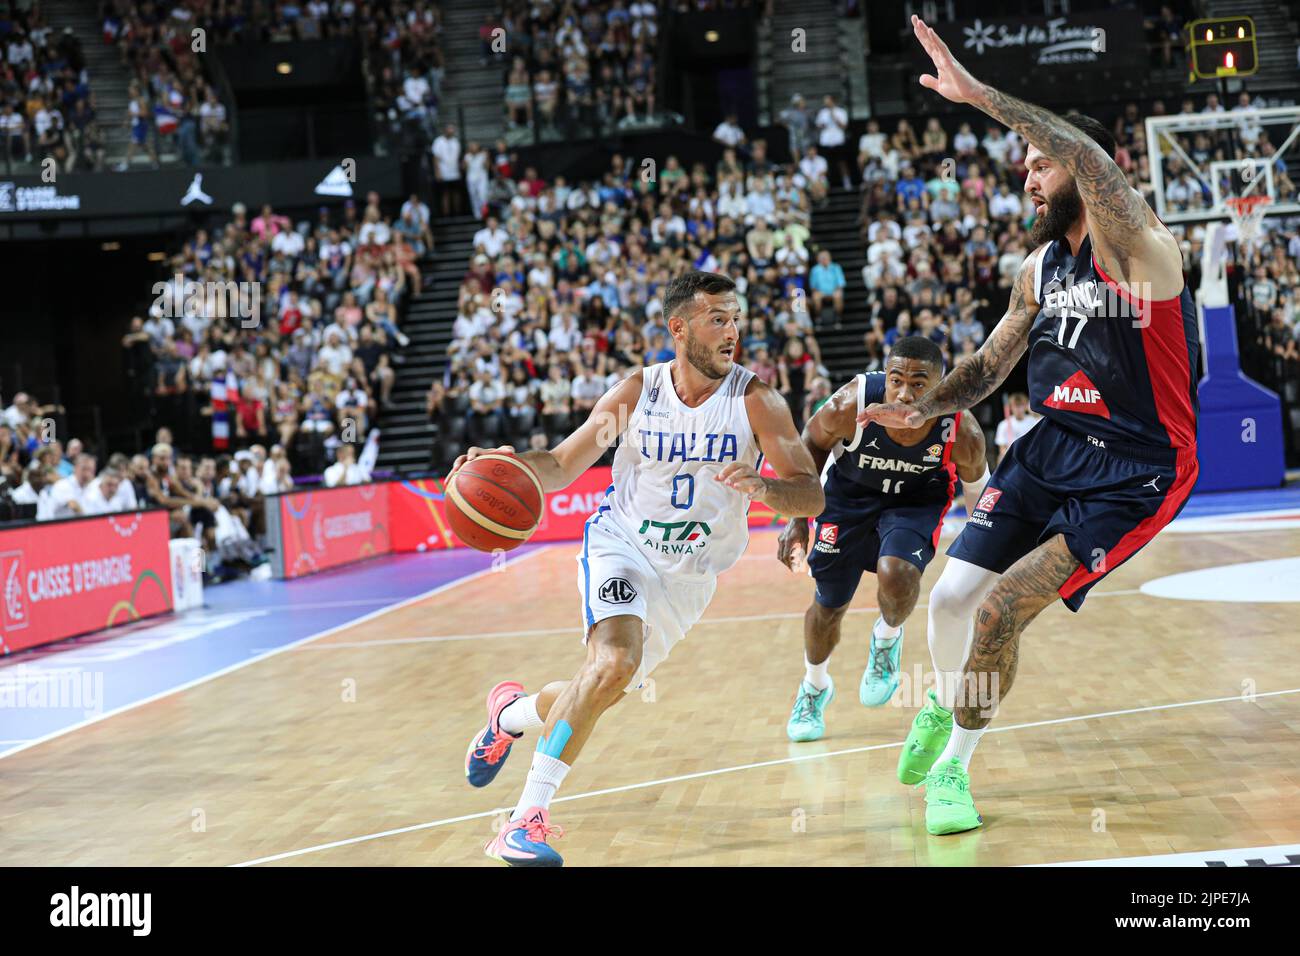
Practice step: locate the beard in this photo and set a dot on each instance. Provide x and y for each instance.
(705, 360)
(1064, 207)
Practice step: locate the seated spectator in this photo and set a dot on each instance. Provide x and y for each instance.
(69, 493)
(345, 470)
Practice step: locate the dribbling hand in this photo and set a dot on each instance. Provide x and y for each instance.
(475, 451)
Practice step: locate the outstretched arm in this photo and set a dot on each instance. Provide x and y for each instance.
(1118, 217)
(973, 380)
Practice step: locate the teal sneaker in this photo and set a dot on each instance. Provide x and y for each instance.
(949, 807)
(925, 741)
(808, 718)
(880, 679)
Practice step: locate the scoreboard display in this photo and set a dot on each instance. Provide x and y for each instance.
(1222, 46)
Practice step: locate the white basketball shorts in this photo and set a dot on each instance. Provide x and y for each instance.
(615, 577)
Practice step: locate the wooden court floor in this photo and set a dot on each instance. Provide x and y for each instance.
(1127, 734)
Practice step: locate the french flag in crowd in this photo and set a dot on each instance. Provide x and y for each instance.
(224, 391)
(165, 119)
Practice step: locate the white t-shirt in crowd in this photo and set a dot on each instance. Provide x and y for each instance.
(729, 134)
(123, 499)
(565, 338)
(341, 474)
(446, 153)
(831, 123)
(65, 492)
(492, 240)
(588, 389)
(1011, 428)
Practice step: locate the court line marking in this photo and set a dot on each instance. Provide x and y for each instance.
(749, 766)
(272, 652)
(538, 632)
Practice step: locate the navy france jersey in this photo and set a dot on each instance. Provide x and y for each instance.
(873, 464)
(1116, 369)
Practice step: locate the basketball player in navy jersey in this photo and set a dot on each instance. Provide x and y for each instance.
(887, 491)
(1102, 309)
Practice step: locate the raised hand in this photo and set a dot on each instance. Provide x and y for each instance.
(952, 81)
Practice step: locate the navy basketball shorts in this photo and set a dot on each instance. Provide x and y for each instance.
(852, 535)
(1107, 502)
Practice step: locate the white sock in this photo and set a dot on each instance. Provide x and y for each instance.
(520, 715)
(884, 634)
(960, 745)
(544, 778)
(819, 675)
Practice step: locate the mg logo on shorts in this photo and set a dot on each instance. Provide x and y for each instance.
(988, 499)
(828, 533)
(617, 591)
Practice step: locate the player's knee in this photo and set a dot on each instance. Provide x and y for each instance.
(952, 597)
(824, 616)
(897, 580)
(612, 672)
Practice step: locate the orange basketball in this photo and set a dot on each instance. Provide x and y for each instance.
(494, 502)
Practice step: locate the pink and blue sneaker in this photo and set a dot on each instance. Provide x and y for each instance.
(523, 842)
(490, 746)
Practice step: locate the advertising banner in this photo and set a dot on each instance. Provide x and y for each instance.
(186, 191)
(1026, 51)
(63, 578)
(315, 530)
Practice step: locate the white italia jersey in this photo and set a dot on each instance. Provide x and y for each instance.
(664, 496)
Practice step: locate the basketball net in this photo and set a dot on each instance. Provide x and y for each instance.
(1246, 213)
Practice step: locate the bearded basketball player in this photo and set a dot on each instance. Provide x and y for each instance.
(1102, 309)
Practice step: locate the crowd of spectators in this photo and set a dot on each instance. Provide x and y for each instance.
(289, 335)
(571, 70)
(47, 109)
(174, 110)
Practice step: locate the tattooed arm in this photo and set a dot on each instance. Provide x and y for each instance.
(1124, 231)
(973, 380)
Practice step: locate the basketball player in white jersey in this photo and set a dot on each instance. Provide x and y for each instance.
(691, 434)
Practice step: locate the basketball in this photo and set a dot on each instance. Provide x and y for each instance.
(494, 502)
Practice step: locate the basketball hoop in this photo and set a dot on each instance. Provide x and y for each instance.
(1246, 213)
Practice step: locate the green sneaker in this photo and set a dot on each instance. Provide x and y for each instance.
(880, 679)
(949, 807)
(925, 741)
(808, 718)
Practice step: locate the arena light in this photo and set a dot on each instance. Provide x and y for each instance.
(284, 68)
(110, 246)
(711, 36)
(157, 257)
